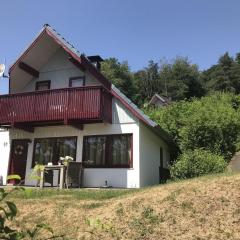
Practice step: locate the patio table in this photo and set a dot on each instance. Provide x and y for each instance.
(60, 168)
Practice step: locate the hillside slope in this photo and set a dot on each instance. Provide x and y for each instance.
(202, 208)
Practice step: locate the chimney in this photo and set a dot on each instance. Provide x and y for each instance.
(96, 61)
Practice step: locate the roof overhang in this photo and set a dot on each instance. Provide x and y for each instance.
(31, 60)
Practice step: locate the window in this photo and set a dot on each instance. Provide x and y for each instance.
(94, 148)
(43, 85)
(120, 150)
(107, 151)
(77, 81)
(51, 149)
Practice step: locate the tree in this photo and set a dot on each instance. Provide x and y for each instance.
(224, 76)
(178, 80)
(182, 79)
(236, 74)
(147, 82)
(120, 75)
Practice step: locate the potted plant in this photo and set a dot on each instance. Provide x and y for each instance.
(65, 160)
(36, 173)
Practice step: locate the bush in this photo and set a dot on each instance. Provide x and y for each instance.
(211, 123)
(196, 163)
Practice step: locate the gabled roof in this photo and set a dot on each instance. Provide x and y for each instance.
(157, 97)
(76, 57)
(82, 61)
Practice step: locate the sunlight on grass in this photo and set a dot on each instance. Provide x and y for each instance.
(99, 194)
(81, 194)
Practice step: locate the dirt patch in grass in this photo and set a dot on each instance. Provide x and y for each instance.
(204, 208)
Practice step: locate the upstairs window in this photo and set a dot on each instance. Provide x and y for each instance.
(77, 81)
(43, 85)
(108, 151)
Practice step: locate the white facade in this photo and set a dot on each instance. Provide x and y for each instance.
(93, 177)
(146, 147)
(58, 70)
(4, 150)
(150, 145)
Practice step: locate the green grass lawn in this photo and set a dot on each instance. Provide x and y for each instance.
(80, 194)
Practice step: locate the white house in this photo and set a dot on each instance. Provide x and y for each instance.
(60, 104)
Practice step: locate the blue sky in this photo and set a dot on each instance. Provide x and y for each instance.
(133, 30)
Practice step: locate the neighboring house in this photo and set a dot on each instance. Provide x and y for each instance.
(60, 104)
(160, 101)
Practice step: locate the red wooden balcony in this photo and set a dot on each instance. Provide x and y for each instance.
(69, 105)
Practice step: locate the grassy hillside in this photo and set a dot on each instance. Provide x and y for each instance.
(202, 208)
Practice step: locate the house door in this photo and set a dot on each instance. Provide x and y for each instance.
(18, 158)
(161, 166)
(164, 173)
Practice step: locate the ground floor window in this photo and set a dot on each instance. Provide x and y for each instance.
(107, 151)
(51, 149)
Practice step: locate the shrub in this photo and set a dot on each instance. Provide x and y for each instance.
(196, 163)
(212, 123)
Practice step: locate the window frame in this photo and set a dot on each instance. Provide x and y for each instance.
(48, 82)
(54, 150)
(108, 151)
(71, 79)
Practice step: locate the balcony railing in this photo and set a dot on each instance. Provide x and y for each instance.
(82, 104)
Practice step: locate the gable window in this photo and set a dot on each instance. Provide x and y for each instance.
(108, 151)
(51, 149)
(77, 81)
(43, 85)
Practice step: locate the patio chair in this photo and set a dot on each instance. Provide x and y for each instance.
(48, 177)
(164, 175)
(74, 174)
